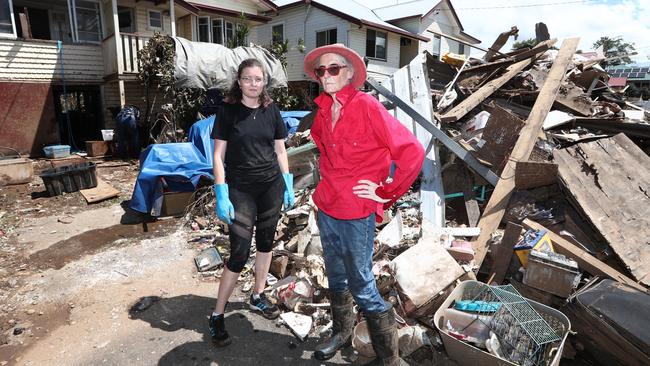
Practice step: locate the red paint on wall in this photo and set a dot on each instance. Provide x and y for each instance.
(27, 117)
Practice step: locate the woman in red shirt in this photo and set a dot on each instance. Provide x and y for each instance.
(358, 140)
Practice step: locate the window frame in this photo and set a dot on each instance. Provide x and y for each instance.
(272, 32)
(221, 28)
(198, 29)
(162, 21)
(461, 48)
(12, 35)
(436, 38)
(225, 32)
(75, 21)
(374, 56)
(327, 30)
(132, 13)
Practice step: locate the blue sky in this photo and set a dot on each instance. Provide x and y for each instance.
(589, 20)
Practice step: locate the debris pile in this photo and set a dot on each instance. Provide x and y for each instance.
(536, 183)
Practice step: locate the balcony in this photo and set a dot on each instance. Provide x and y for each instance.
(130, 45)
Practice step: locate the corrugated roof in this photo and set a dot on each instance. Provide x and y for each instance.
(617, 81)
(405, 10)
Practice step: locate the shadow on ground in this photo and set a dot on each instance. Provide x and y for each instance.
(250, 346)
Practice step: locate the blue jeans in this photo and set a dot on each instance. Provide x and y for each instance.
(347, 250)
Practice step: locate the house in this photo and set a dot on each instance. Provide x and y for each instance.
(389, 37)
(637, 76)
(62, 64)
(437, 21)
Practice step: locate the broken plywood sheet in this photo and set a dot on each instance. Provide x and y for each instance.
(423, 271)
(609, 180)
(499, 136)
(102, 192)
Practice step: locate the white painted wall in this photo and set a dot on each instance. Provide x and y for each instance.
(37, 60)
(377, 69)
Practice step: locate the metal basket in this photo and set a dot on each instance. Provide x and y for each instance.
(525, 336)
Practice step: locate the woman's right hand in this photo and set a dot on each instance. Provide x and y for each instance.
(224, 208)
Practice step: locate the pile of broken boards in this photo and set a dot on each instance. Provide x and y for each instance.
(566, 223)
(545, 199)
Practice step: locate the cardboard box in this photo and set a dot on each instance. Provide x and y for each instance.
(175, 203)
(99, 148)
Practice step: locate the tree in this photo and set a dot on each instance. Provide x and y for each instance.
(240, 34)
(526, 43)
(616, 50)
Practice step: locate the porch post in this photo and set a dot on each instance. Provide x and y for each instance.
(118, 49)
(172, 15)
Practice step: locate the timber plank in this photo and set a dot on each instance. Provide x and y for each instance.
(496, 206)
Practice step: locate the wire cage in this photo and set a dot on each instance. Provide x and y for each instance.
(525, 337)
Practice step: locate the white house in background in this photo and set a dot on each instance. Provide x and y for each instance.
(64, 62)
(435, 20)
(321, 22)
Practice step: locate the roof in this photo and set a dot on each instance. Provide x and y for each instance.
(617, 81)
(353, 12)
(419, 8)
(230, 12)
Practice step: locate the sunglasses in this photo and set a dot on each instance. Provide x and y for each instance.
(332, 70)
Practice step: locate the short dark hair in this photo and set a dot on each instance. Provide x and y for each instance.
(235, 95)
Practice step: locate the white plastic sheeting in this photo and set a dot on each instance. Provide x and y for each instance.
(209, 65)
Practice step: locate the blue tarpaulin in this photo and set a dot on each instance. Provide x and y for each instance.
(292, 119)
(175, 167)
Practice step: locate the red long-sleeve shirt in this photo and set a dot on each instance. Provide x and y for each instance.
(362, 145)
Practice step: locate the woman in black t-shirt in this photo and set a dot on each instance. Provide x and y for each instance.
(252, 182)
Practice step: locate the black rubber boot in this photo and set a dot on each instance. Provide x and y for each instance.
(220, 337)
(383, 334)
(343, 319)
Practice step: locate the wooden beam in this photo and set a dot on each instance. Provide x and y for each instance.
(501, 258)
(496, 206)
(585, 260)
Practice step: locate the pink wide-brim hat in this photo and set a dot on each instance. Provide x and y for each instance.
(357, 62)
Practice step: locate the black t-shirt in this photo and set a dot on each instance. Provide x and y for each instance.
(251, 135)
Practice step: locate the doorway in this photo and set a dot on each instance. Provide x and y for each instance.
(78, 114)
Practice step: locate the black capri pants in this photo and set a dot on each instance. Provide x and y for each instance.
(256, 205)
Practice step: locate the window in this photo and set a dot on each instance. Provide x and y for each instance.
(125, 18)
(326, 37)
(461, 49)
(204, 29)
(217, 31)
(376, 44)
(436, 45)
(229, 32)
(89, 24)
(277, 32)
(7, 27)
(155, 19)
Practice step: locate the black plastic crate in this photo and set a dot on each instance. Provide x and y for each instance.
(70, 178)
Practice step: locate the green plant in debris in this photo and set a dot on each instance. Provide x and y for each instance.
(526, 43)
(240, 35)
(157, 69)
(283, 96)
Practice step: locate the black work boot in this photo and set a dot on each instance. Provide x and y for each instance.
(383, 335)
(343, 322)
(220, 337)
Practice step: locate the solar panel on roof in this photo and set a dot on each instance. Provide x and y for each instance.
(645, 69)
(627, 70)
(636, 70)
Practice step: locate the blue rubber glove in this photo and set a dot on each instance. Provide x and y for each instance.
(224, 208)
(289, 197)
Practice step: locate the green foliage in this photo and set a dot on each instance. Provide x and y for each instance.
(240, 34)
(286, 98)
(157, 69)
(616, 50)
(526, 43)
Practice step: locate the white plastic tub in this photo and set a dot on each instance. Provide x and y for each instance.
(107, 135)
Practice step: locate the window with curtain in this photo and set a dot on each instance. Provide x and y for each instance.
(326, 37)
(376, 44)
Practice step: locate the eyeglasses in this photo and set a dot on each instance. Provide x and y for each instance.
(250, 80)
(332, 70)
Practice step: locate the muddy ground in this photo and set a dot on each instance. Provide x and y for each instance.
(70, 274)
